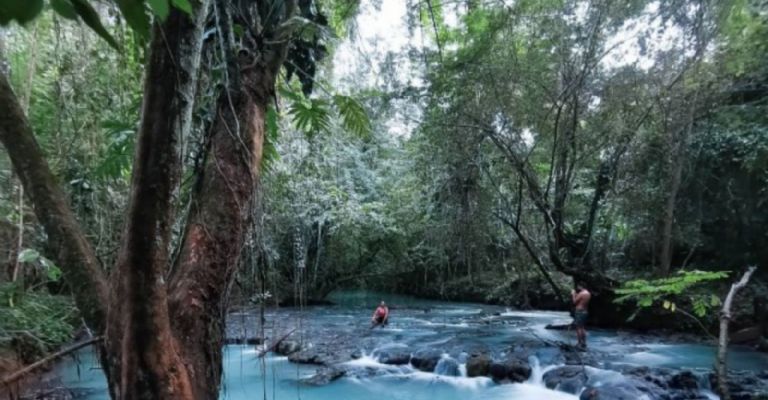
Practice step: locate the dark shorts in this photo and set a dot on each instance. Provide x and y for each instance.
(580, 318)
(380, 320)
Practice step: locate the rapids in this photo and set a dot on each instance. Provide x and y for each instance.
(340, 339)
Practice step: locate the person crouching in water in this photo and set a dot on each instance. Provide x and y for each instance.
(581, 297)
(380, 316)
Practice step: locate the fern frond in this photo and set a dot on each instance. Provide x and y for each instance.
(353, 116)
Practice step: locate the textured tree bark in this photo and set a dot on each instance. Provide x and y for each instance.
(72, 251)
(141, 345)
(721, 366)
(676, 173)
(219, 219)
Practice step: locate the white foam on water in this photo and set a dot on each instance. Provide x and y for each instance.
(445, 324)
(438, 342)
(537, 371)
(460, 382)
(647, 358)
(526, 391)
(557, 315)
(458, 311)
(368, 361)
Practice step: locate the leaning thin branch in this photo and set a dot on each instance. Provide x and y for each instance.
(13, 377)
(277, 343)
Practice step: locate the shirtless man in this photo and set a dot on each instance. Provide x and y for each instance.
(580, 297)
(380, 316)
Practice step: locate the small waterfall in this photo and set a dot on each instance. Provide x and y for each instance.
(537, 373)
(447, 366)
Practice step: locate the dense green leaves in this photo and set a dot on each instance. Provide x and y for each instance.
(646, 293)
(64, 8)
(353, 115)
(21, 11)
(161, 8)
(91, 18)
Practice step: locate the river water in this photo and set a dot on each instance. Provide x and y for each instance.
(455, 329)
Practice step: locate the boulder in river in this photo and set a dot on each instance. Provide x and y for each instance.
(684, 380)
(426, 359)
(287, 347)
(307, 356)
(478, 365)
(393, 356)
(323, 376)
(612, 391)
(744, 385)
(510, 370)
(568, 379)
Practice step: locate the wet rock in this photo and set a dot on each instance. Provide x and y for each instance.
(251, 340)
(323, 377)
(426, 360)
(393, 356)
(478, 365)
(568, 379)
(655, 376)
(447, 367)
(308, 356)
(684, 380)
(612, 391)
(574, 356)
(510, 370)
(287, 347)
(559, 327)
(744, 385)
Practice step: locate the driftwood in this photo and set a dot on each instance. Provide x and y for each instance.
(13, 377)
(722, 344)
(277, 343)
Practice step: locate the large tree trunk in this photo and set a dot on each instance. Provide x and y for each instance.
(215, 234)
(140, 342)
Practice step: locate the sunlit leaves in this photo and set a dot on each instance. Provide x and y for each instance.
(309, 115)
(353, 115)
(135, 14)
(32, 256)
(183, 5)
(161, 8)
(315, 115)
(645, 293)
(28, 255)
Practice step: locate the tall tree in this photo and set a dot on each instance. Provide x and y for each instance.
(163, 331)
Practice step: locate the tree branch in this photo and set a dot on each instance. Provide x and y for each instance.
(66, 239)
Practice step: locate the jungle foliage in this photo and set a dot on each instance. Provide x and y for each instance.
(607, 141)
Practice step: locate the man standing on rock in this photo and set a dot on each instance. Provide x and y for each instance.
(581, 297)
(380, 316)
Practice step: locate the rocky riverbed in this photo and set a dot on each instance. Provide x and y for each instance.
(450, 351)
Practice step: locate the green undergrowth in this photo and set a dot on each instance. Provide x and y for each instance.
(34, 322)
